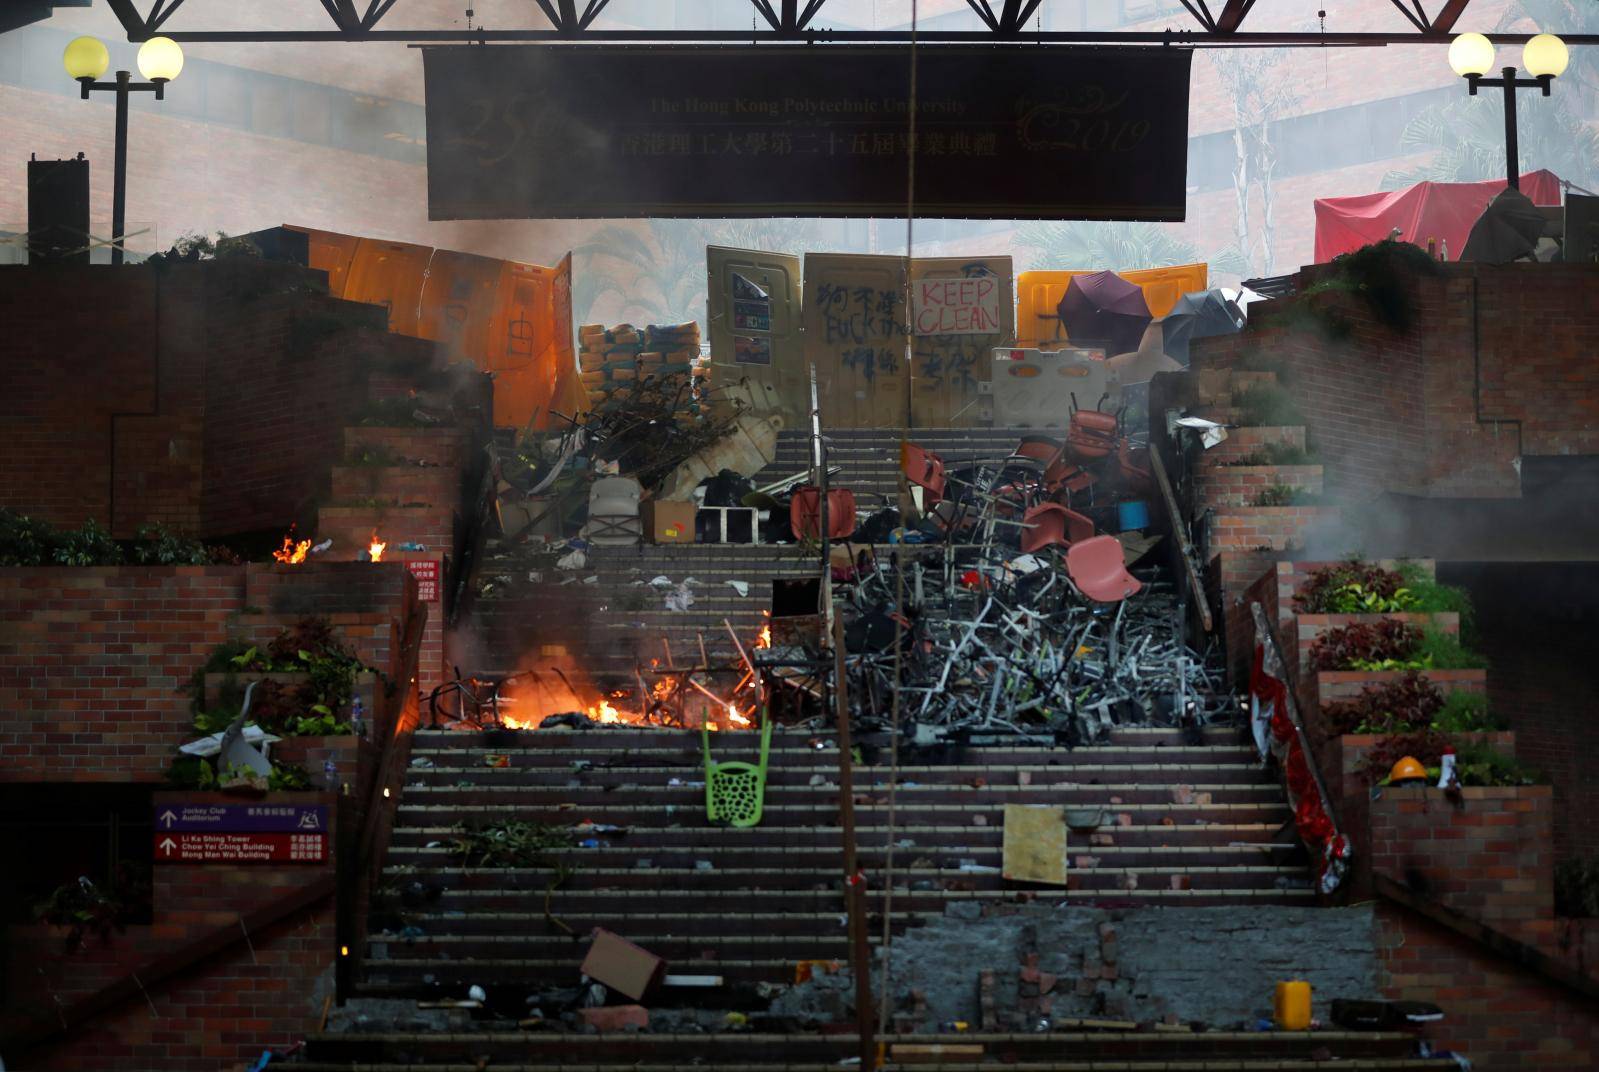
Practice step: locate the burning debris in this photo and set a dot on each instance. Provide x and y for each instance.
(375, 548)
(293, 552)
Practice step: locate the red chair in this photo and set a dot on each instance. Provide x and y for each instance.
(1092, 433)
(1098, 570)
(924, 469)
(805, 513)
(1051, 524)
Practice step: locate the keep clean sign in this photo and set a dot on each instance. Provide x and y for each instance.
(964, 306)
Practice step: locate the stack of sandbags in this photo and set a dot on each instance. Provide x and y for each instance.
(614, 361)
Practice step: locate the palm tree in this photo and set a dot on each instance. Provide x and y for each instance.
(658, 269)
(1118, 246)
(1467, 135)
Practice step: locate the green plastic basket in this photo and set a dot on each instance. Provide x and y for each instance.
(735, 792)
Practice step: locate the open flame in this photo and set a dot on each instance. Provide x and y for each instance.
(764, 640)
(375, 549)
(292, 553)
(736, 718)
(605, 712)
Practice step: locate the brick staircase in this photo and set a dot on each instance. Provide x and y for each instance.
(1181, 824)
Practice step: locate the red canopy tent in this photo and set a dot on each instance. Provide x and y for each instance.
(1443, 211)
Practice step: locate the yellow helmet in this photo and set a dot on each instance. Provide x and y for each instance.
(1408, 769)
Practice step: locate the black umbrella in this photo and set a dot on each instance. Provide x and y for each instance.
(1507, 230)
(1102, 307)
(1198, 315)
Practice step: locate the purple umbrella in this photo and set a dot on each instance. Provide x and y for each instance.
(1104, 308)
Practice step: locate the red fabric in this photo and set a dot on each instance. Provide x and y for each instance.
(1443, 211)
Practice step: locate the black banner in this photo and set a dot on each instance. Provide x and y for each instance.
(1013, 132)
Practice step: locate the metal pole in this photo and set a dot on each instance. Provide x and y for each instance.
(1512, 155)
(854, 881)
(119, 178)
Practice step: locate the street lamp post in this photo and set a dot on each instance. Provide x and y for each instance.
(86, 59)
(1544, 57)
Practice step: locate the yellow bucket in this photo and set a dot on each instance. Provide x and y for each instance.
(1291, 1005)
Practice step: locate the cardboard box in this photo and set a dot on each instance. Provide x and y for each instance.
(669, 522)
(621, 965)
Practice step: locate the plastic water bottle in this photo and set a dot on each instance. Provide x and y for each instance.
(357, 722)
(330, 775)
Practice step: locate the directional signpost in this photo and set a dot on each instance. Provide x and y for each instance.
(194, 833)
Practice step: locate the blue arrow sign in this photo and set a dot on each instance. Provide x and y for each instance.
(300, 818)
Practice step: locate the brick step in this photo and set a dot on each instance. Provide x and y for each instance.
(653, 840)
(686, 883)
(724, 1049)
(1077, 1063)
(1072, 1064)
(992, 763)
(783, 776)
(617, 904)
(510, 788)
(514, 793)
(625, 853)
(596, 742)
(678, 924)
(446, 447)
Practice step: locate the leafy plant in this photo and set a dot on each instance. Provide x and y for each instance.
(288, 776)
(1443, 651)
(85, 908)
(88, 546)
(1380, 274)
(1357, 598)
(511, 844)
(1267, 404)
(1465, 712)
(1426, 746)
(1354, 585)
(309, 646)
(1277, 454)
(1408, 704)
(1482, 764)
(392, 413)
(1432, 598)
(1577, 887)
(1274, 495)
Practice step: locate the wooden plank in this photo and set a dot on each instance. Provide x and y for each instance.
(855, 329)
(1180, 533)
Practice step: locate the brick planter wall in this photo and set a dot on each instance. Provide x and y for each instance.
(217, 411)
(1303, 630)
(99, 658)
(1491, 856)
(1238, 485)
(250, 997)
(1243, 442)
(1281, 528)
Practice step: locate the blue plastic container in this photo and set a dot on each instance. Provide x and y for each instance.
(1132, 515)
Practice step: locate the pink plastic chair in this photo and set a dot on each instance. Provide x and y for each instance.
(1051, 524)
(1098, 570)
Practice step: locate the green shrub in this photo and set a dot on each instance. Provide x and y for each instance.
(1443, 651)
(1465, 712)
(1267, 404)
(1434, 598)
(1482, 764)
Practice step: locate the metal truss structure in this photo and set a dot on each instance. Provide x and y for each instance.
(795, 21)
